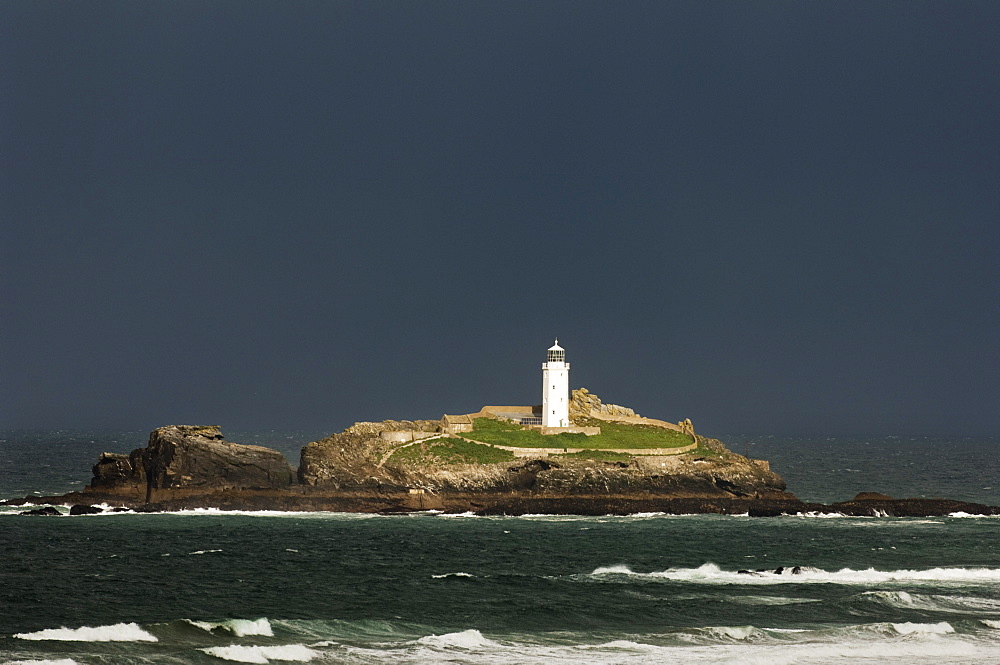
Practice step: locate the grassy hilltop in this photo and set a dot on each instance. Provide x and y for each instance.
(613, 436)
(478, 446)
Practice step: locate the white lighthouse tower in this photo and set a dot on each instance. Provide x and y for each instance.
(555, 388)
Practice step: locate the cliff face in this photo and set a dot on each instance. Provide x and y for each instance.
(186, 457)
(382, 465)
(358, 470)
(359, 459)
(355, 457)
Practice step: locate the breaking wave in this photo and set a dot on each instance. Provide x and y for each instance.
(962, 641)
(466, 639)
(880, 642)
(238, 627)
(908, 628)
(964, 514)
(119, 632)
(263, 654)
(933, 602)
(710, 573)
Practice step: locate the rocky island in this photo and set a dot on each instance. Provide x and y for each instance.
(606, 460)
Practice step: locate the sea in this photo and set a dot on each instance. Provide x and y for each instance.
(212, 587)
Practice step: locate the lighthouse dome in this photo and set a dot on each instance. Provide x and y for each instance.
(556, 353)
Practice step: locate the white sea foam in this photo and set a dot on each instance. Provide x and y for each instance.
(61, 661)
(926, 644)
(119, 632)
(813, 513)
(619, 569)
(466, 639)
(303, 514)
(624, 645)
(238, 627)
(204, 552)
(263, 654)
(908, 628)
(710, 573)
(459, 574)
(964, 514)
(734, 632)
(990, 623)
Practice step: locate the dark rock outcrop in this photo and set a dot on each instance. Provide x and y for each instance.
(393, 501)
(910, 507)
(114, 470)
(187, 458)
(82, 509)
(46, 511)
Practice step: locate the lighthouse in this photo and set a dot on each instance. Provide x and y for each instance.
(555, 388)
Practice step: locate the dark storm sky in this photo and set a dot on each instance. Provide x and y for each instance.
(769, 217)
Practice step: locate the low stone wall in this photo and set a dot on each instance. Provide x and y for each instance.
(405, 436)
(589, 431)
(639, 420)
(545, 452)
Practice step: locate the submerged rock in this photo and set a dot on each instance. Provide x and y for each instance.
(47, 510)
(81, 509)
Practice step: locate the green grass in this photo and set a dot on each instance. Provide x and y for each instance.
(612, 436)
(451, 451)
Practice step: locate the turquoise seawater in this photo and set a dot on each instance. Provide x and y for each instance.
(205, 587)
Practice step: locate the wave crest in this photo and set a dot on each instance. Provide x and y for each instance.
(261, 654)
(710, 573)
(466, 639)
(119, 632)
(908, 628)
(238, 627)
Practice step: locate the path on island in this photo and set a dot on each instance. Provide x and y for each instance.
(385, 458)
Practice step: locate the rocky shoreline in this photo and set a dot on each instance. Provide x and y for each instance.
(189, 467)
(513, 504)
